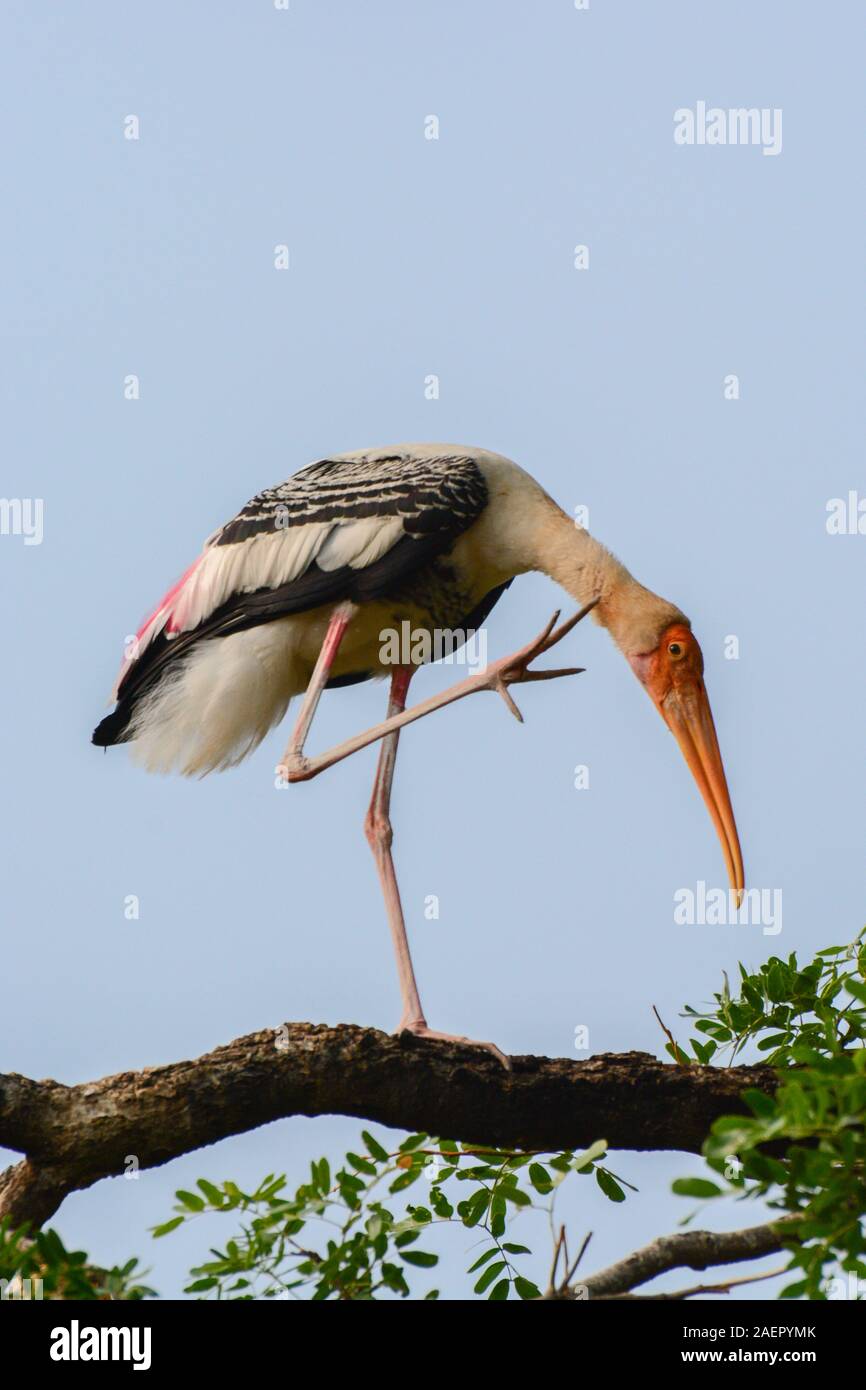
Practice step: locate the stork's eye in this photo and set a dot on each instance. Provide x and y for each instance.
(675, 649)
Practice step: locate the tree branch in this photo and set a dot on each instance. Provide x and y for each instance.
(687, 1250)
(699, 1290)
(73, 1136)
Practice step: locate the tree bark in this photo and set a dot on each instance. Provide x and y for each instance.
(688, 1250)
(72, 1136)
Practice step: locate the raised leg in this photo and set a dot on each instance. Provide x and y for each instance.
(509, 670)
(380, 834)
(293, 760)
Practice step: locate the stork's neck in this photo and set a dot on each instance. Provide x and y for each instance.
(633, 615)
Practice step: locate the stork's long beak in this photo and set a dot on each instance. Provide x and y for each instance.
(673, 676)
(686, 711)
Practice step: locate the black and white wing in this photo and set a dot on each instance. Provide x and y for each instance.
(350, 527)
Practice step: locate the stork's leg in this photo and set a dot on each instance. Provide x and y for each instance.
(509, 670)
(293, 759)
(380, 834)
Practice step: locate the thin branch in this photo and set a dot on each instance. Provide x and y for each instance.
(688, 1250)
(570, 1273)
(559, 1247)
(699, 1289)
(679, 1056)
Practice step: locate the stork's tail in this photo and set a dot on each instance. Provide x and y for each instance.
(209, 708)
(114, 728)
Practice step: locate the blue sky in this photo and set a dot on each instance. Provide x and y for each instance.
(411, 257)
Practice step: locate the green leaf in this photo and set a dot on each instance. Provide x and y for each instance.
(760, 1103)
(413, 1142)
(440, 1204)
(363, 1165)
(488, 1276)
(540, 1178)
(488, 1255)
(714, 1030)
(517, 1196)
(695, 1187)
(500, 1292)
(201, 1285)
(213, 1194)
(609, 1185)
(775, 1040)
(777, 983)
(525, 1288)
(405, 1179)
(561, 1163)
(472, 1210)
(167, 1226)
(374, 1147)
(419, 1257)
(191, 1200)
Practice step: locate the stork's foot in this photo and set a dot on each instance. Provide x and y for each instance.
(419, 1029)
(514, 670)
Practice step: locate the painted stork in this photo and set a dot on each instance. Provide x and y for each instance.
(294, 595)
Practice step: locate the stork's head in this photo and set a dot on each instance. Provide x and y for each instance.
(671, 671)
(657, 640)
